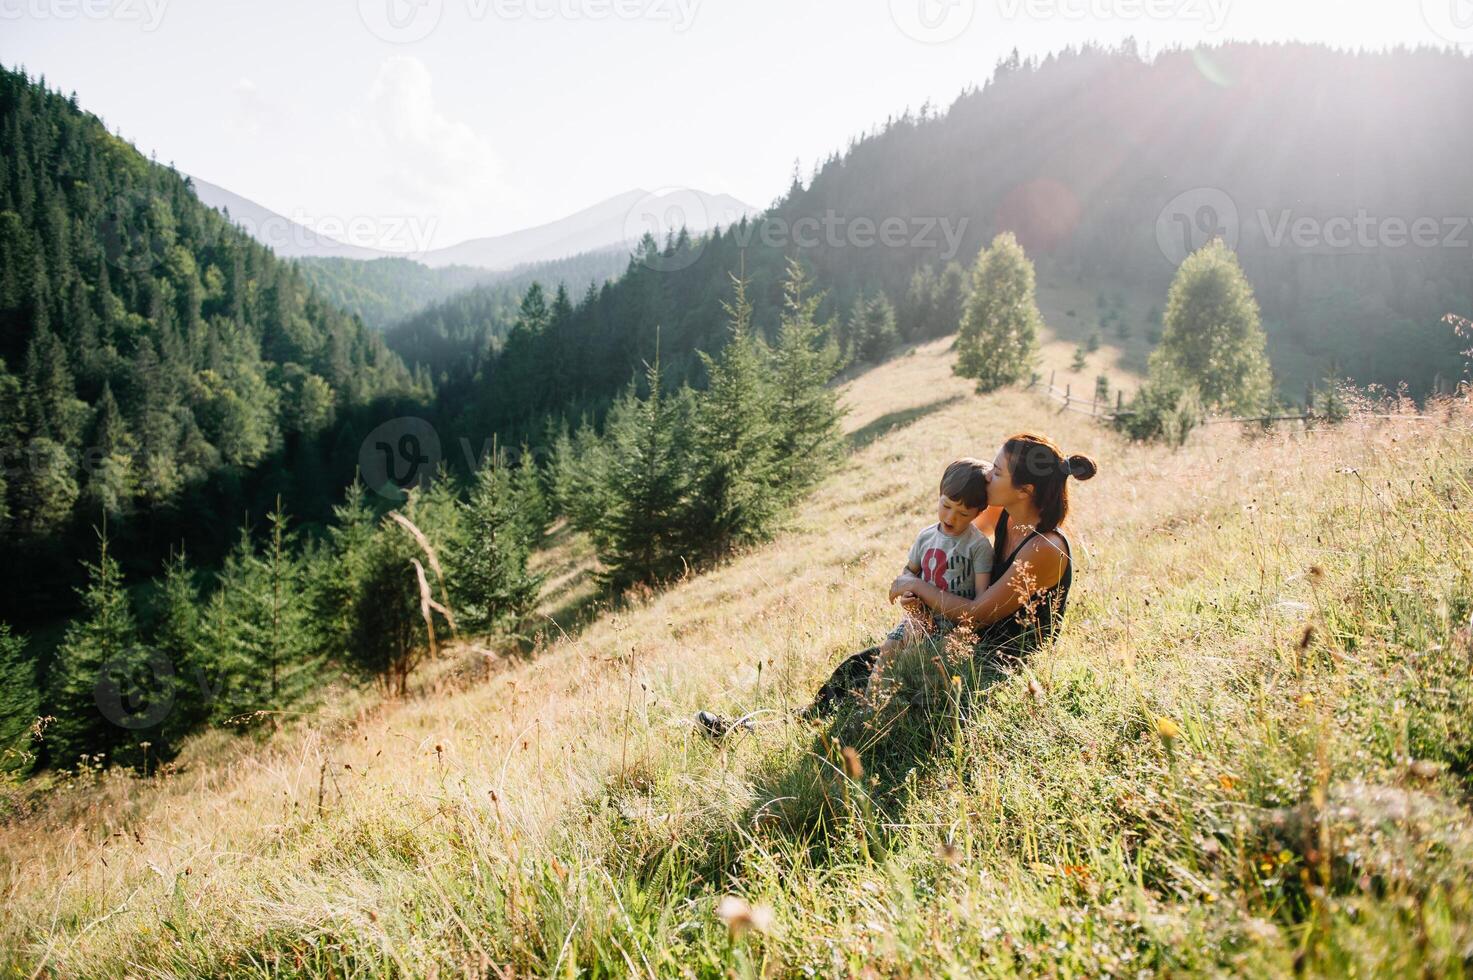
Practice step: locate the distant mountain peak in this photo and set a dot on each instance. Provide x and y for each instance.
(617, 222)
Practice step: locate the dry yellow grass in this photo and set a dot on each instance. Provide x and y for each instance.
(309, 834)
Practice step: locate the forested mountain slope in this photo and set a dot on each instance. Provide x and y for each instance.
(159, 368)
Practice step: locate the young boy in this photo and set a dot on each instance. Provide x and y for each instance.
(950, 554)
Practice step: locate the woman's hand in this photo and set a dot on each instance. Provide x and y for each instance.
(905, 586)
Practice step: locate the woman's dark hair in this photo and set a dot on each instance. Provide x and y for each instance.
(1035, 461)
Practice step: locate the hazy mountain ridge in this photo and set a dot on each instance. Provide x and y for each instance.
(617, 222)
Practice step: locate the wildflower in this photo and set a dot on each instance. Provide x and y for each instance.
(1304, 700)
(1167, 729)
(1228, 783)
(740, 916)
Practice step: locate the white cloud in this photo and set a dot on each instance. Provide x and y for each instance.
(429, 159)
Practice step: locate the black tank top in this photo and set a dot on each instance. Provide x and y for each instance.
(1042, 613)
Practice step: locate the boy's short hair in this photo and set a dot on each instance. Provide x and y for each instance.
(965, 481)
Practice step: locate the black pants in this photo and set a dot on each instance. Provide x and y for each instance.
(848, 678)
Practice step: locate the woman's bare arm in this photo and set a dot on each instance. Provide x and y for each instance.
(1040, 565)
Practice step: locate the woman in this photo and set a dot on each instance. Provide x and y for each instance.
(1032, 570)
(1032, 564)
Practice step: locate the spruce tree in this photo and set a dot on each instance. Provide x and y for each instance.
(177, 639)
(338, 571)
(735, 498)
(531, 502)
(557, 474)
(9, 435)
(20, 703)
(488, 565)
(282, 612)
(854, 331)
(804, 407)
(237, 636)
(387, 631)
(96, 688)
(581, 468)
(1212, 334)
(642, 534)
(881, 333)
(111, 482)
(998, 341)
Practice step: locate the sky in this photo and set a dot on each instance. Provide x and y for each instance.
(421, 123)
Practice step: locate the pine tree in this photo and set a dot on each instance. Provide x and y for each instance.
(282, 613)
(1212, 334)
(488, 564)
(237, 636)
(20, 703)
(531, 501)
(735, 439)
(111, 483)
(581, 468)
(804, 407)
(642, 534)
(557, 476)
(177, 639)
(881, 334)
(337, 571)
(998, 341)
(854, 331)
(96, 688)
(9, 436)
(387, 632)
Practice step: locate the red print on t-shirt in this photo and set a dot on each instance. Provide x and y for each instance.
(933, 568)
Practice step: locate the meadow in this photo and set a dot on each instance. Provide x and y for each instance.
(1251, 751)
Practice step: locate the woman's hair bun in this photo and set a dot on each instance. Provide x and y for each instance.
(1082, 467)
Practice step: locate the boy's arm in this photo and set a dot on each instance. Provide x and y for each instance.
(913, 567)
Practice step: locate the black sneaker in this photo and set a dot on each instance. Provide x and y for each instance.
(716, 728)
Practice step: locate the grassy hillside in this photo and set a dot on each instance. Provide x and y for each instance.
(1250, 751)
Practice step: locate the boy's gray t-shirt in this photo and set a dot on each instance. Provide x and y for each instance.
(951, 563)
